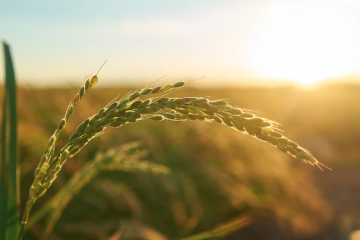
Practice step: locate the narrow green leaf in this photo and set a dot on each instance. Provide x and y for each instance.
(9, 188)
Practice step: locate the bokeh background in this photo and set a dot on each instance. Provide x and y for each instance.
(294, 62)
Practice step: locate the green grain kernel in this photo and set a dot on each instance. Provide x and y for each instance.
(113, 105)
(163, 100)
(247, 115)
(228, 122)
(152, 109)
(124, 102)
(146, 102)
(239, 126)
(87, 85)
(157, 118)
(169, 116)
(219, 103)
(129, 113)
(62, 124)
(166, 88)
(276, 134)
(200, 117)
(81, 92)
(178, 84)
(235, 111)
(134, 95)
(136, 103)
(189, 99)
(170, 105)
(191, 117)
(179, 101)
(146, 91)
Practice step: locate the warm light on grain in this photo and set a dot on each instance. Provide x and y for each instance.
(306, 43)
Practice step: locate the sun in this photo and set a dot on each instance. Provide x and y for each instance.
(306, 43)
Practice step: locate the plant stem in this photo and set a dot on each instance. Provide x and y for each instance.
(28, 206)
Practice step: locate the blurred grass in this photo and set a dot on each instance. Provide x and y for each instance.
(217, 173)
(9, 199)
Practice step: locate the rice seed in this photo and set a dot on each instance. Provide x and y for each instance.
(113, 105)
(219, 103)
(83, 125)
(264, 124)
(276, 134)
(178, 84)
(62, 124)
(136, 104)
(69, 111)
(191, 117)
(261, 136)
(146, 102)
(81, 92)
(239, 125)
(170, 105)
(76, 100)
(116, 124)
(179, 101)
(247, 115)
(166, 88)
(93, 81)
(201, 100)
(123, 102)
(179, 116)
(235, 111)
(163, 100)
(152, 109)
(146, 92)
(110, 114)
(134, 95)
(256, 120)
(200, 117)
(156, 89)
(131, 119)
(157, 118)
(217, 119)
(251, 129)
(63, 155)
(87, 85)
(228, 122)
(169, 116)
(189, 99)
(203, 105)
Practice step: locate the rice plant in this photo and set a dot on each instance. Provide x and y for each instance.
(151, 103)
(126, 158)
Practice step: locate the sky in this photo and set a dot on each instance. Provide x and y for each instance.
(257, 42)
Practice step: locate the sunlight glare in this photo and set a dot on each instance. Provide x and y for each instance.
(306, 43)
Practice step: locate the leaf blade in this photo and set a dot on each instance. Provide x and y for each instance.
(9, 186)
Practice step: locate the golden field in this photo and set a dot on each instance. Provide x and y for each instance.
(216, 173)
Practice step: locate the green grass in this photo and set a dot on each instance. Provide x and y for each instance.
(9, 184)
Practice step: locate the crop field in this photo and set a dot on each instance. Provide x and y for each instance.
(214, 174)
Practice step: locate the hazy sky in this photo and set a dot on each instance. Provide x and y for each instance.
(228, 41)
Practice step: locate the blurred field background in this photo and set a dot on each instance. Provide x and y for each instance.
(217, 173)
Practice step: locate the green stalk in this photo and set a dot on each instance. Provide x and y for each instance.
(9, 183)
